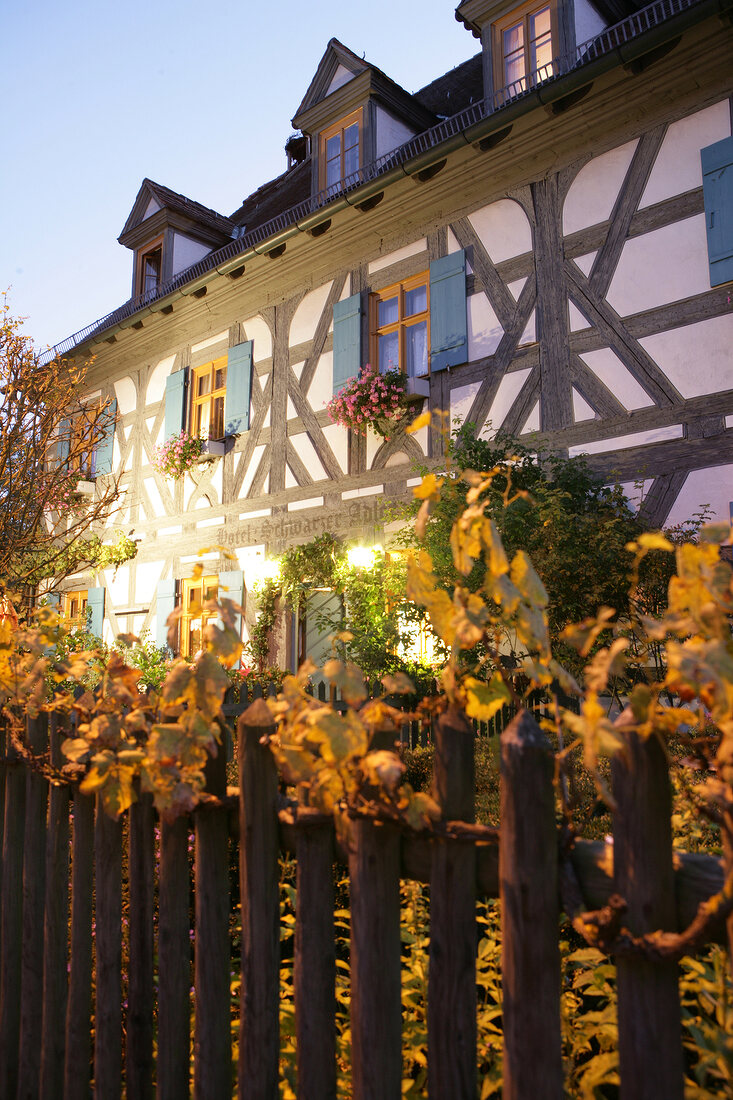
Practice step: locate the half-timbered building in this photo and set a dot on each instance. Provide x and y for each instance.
(542, 238)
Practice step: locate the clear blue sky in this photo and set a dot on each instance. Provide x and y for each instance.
(197, 96)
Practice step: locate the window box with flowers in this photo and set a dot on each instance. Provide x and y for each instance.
(377, 401)
(179, 454)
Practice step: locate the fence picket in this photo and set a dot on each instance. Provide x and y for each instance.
(174, 962)
(12, 922)
(452, 972)
(648, 992)
(530, 915)
(108, 900)
(77, 1069)
(139, 1047)
(56, 928)
(34, 882)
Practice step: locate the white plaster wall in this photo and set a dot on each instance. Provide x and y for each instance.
(307, 315)
(516, 288)
(585, 263)
(581, 409)
(635, 491)
(217, 476)
(156, 383)
(506, 395)
(622, 442)
(503, 228)
(461, 399)
(660, 267)
(118, 585)
(320, 391)
(150, 209)
(484, 330)
(257, 330)
(620, 381)
(217, 338)
(698, 358)
(338, 441)
(577, 319)
(391, 133)
(340, 77)
(147, 575)
(587, 21)
(155, 499)
(307, 454)
(126, 394)
(251, 470)
(712, 487)
(529, 336)
(532, 423)
(290, 479)
(116, 452)
(678, 167)
(399, 254)
(594, 190)
(187, 251)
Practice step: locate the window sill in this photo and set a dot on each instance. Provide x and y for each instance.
(85, 488)
(417, 389)
(213, 448)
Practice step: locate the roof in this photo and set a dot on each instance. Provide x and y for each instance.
(455, 90)
(172, 200)
(272, 198)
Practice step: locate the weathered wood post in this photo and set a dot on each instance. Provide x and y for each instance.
(56, 927)
(530, 915)
(108, 940)
(34, 882)
(376, 1008)
(212, 1030)
(315, 959)
(139, 1045)
(452, 973)
(11, 925)
(649, 1026)
(259, 1025)
(174, 962)
(78, 1011)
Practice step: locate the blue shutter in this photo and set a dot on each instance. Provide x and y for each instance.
(102, 459)
(175, 403)
(95, 611)
(346, 341)
(239, 389)
(231, 587)
(63, 445)
(717, 185)
(166, 605)
(448, 327)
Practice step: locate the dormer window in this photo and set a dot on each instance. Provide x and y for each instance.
(523, 47)
(150, 268)
(340, 149)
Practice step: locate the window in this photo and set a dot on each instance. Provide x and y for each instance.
(523, 47)
(75, 607)
(194, 617)
(400, 330)
(150, 268)
(208, 396)
(340, 150)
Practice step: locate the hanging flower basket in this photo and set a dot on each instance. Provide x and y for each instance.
(178, 455)
(373, 400)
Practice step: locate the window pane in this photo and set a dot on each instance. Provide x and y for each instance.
(203, 384)
(387, 311)
(541, 58)
(201, 423)
(513, 39)
(211, 590)
(220, 379)
(333, 172)
(351, 160)
(389, 352)
(216, 427)
(416, 349)
(416, 300)
(333, 147)
(351, 136)
(514, 70)
(539, 23)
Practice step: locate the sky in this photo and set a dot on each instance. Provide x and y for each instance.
(196, 96)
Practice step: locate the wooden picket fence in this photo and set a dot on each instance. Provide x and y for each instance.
(71, 1026)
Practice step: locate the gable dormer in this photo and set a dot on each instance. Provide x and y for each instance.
(168, 232)
(354, 114)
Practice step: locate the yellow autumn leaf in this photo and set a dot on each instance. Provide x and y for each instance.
(421, 421)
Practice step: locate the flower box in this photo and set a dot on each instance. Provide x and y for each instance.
(85, 488)
(417, 389)
(212, 448)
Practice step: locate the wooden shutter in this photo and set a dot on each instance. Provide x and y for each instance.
(95, 611)
(231, 587)
(717, 184)
(346, 341)
(166, 604)
(105, 448)
(239, 389)
(448, 327)
(175, 403)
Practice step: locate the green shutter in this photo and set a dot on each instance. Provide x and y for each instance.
(346, 341)
(166, 605)
(102, 459)
(448, 327)
(239, 389)
(64, 444)
(175, 403)
(231, 587)
(95, 611)
(717, 185)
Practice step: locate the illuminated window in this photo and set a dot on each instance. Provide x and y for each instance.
(207, 401)
(340, 150)
(75, 607)
(400, 327)
(523, 43)
(418, 641)
(150, 268)
(196, 592)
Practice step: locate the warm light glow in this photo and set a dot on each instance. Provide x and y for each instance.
(262, 569)
(363, 557)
